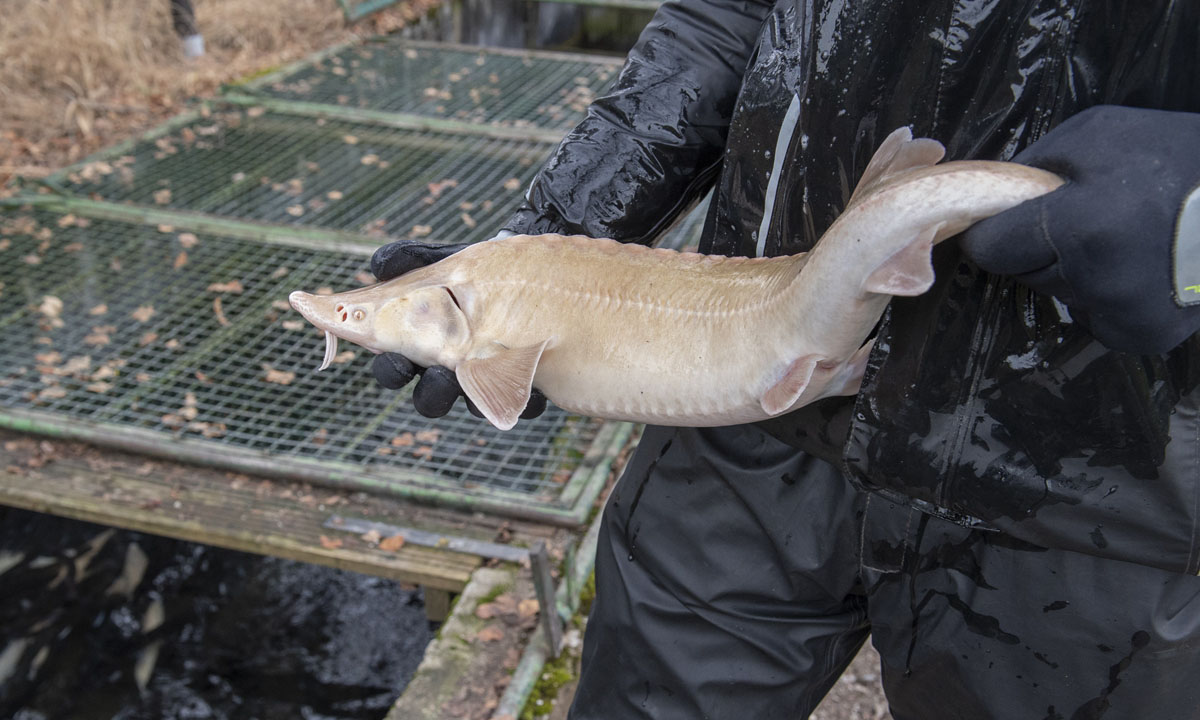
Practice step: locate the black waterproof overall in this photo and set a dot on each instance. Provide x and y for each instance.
(1008, 508)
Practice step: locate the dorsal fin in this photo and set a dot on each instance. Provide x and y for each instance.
(898, 153)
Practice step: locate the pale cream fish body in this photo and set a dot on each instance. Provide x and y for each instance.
(625, 332)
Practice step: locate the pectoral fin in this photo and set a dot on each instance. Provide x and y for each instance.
(499, 381)
(783, 394)
(907, 272)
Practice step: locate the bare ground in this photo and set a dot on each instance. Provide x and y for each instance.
(78, 75)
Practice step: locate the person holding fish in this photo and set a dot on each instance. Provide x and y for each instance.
(1009, 505)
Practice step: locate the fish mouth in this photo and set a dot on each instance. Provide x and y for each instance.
(302, 303)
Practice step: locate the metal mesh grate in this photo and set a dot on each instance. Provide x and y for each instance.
(124, 327)
(266, 166)
(497, 87)
(381, 182)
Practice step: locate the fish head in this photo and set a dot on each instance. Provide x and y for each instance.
(422, 322)
(425, 324)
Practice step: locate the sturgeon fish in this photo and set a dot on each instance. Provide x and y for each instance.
(626, 332)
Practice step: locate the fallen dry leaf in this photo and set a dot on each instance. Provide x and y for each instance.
(404, 439)
(256, 111)
(143, 313)
(66, 220)
(220, 313)
(323, 290)
(503, 604)
(53, 392)
(233, 286)
(428, 436)
(189, 410)
(278, 273)
(370, 159)
(96, 338)
(279, 377)
(365, 278)
(166, 228)
(100, 309)
(188, 240)
(295, 210)
(180, 260)
(172, 344)
(512, 184)
(207, 429)
(334, 195)
(293, 324)
(344, 357)
(73, 247)
(424, 452)
(330, 543)
(350, 139)
(437, 188)
(48, 358)
(147, 338)
(467, 220)
(420, 230)
(491, 633)
(172, 420)
(98, 387)
(371, 536)
(31, 259)
(75, 365)
(392, 544)
(51, 306)
(162, 197)
(527, 608)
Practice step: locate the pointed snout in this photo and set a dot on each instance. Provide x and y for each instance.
(300, 301)
(308, 305)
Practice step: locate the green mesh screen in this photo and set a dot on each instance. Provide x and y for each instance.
(185, 338)
(251, 164)
(489, 86)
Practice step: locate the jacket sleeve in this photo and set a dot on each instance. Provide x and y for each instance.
(652, 144)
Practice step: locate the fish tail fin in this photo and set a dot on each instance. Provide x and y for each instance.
(898, 153)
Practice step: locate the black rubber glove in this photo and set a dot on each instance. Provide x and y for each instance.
(1114, 244)
(438, 388)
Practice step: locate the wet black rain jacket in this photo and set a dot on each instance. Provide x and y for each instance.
(982, 402)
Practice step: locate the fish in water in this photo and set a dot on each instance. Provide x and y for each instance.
(626, 332)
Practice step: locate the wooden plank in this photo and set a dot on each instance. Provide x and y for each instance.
(437, 604)
(240, 512)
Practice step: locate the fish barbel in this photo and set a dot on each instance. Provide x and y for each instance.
(626, 332)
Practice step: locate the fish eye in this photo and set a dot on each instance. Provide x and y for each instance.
(359, 314)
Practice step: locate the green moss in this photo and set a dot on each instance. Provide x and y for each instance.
(587, 595)
(563, 669)
(495, 592)
(557, 672)
(255, 75)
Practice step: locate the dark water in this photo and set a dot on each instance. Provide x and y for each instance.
(534, 25)
(240, 636)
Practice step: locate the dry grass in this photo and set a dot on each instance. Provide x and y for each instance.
(79, 74)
